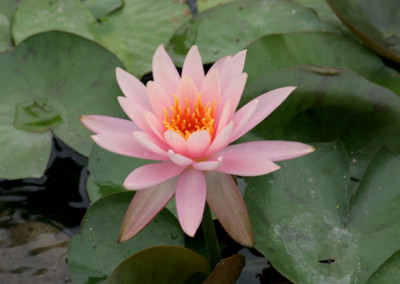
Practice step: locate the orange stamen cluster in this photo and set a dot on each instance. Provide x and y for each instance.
(186, 121)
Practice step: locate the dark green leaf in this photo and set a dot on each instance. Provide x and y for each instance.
(388, 272)
(227, 271)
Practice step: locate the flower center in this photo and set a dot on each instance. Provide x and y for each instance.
(188, 120)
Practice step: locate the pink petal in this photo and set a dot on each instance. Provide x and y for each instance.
(234, 91)
(104, 124)
(145, 205)
(178, 159)
(193, 66)
(197, 143)
(225, 116)
(164, 71)
(125, 144)
(176, 142)
(135, 112)
(231, 69)
(227, 203)
(220, 62)
(267, 103)
(246, 164)
(151, 174)
(187, 91)
(156, 127)
(210, 164)
(210, 89)
(190, 199)
(242, 117)
(159, 99)
(133, 89)
(271, 150)
(221, 140)
(150, 143)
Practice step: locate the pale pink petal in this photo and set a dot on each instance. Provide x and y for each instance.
(155, 125)
(224, 116)
(133, 89)
(176, 142)
(145, 205)
(151, 174)
(271, 150)
(135, 112)
(104, 124)
(242, 117)
(210, 164)
(150, 143)
(246, 164)
(125, 144)
(267, 103)
(187, 91)
(210, 89)
(178, 159)
(231, 69)
(197, 143)
(159, 99)
(193, 66)
(234, 91)
(164, 71)
(190, 199)
(221, 140)
(220, 62)
(227, 203)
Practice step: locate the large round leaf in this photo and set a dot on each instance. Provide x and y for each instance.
(388, 272)
(7, 9)
(101, 8)
(230, 27)
(331, 103)
(161, 264)
(93, 254)
(275, 52)
(307, 225)
(47, 82)
(377, 23)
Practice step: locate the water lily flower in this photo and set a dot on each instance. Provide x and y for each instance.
(186, 122)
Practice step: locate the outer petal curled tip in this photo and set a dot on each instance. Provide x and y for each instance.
(209, 165)
(178, 159)
(107, 124)
(232, 68)
(145, 205)
(227, 203)
(193, 66)
(151, 175)
(190, 200)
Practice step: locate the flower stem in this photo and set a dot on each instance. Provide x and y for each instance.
(210, 237)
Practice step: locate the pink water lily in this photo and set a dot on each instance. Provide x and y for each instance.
(187, 122)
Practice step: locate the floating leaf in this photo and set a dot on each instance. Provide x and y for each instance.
(7, 9)
(331, 103)
(388, 272)
(239, 24)
(375, 23)
(93, 254)
(317, 48)
(47, 82)
(327, 236)
(161, 264)
(101, 8)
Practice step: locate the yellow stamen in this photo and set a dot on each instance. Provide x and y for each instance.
(190, 120)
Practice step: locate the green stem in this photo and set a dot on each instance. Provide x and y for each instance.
(210, 237)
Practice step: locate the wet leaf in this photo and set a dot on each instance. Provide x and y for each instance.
(327, 236)
(317, 48)
(47, 82)
(239, 24)
(94, 253)
(161, 264)
(375, 23)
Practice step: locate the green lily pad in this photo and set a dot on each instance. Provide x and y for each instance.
(317, 48)
(239, 24)
(377, 23)
(101, 8)
(203, 5)
(94, 253)
(7, 10)
(328, 235)
(47, 82)
(161, 264)
(33, 17)
(331, 103)
(388, 272)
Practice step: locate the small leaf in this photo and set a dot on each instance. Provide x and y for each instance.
(227, 271)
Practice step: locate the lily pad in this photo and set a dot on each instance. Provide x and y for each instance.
(375, 23)
(388, 272)
(317, 48)
(239, 24)
(331, 103)
(161, 264)
(101, 8)
(94, 253)
(47, 82)
(328, 235)
(7, 10)
(33, 17)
